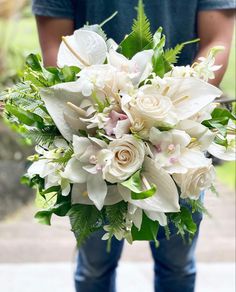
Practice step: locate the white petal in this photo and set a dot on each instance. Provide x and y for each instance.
(166, 198)
(89, 45)
(157, 216)
(97, 189)
(80, 195)
(122, 127)
(143, 61)
(193, 159)
(137, 217)
(56, 99)
(197, 92)
(222, 153)
(74, 171)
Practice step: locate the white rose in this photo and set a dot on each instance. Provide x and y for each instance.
(195, 181)
(150, 108)
(128, 156)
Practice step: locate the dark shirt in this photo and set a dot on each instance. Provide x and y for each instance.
(177, 17)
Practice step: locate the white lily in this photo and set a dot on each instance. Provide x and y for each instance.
(166, 198)
(90, 156)
(189, 95)
(201, 136)
(171, 152)
(64, 104)
(83, 48)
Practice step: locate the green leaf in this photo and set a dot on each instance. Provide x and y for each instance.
(134, 183)
(61, 208)
(43, 217)
(184, 223)
(141, 35)
(26, 117)
(172, 55)
(221, 113)
(148, 230)
(219, 124)
(34, 62)
(84, 219)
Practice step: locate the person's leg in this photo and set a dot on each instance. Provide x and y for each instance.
(175, 269)
(96, 268)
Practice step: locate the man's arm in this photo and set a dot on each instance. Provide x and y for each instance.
(216, 28)
(50, 32)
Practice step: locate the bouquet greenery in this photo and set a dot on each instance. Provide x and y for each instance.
(120, 133)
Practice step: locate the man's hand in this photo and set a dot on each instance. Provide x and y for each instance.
(50, 32)
(216, 28)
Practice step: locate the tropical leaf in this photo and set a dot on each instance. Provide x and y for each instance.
(172, 55)
(141, 35)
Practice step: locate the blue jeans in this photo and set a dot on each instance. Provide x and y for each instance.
(174, 268)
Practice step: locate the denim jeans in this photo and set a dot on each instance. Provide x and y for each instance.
(174, 263)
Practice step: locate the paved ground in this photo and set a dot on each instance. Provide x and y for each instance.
(24, 244)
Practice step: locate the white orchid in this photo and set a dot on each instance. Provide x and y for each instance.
(171, 151)
(47, 167)
(90, 157)
(165, 199)
(206, 67)
(138, 68)
(201, 136)
(83, 48)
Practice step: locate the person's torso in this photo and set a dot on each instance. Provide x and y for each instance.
(177, 17)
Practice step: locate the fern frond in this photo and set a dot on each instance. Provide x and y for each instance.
(141, 35)
(45, 136)
(84, 219)
(141, 26)
(172, 55)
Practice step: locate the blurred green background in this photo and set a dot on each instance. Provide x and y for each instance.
(21, 39)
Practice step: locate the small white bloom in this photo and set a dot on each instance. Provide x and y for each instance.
(171, 152)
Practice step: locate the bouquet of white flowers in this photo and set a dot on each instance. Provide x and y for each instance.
(121, 132)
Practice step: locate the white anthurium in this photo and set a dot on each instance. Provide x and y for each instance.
(195, 180)
(171, 152)
(201, 136)
(83, 48)
(189, 95)
(79, 195)
(128, 156)
(148, 108)
(138, 68)
(64, 103)
(90, 156)
(225, 153)
(204, 114)
(165, 199)
(157, 216)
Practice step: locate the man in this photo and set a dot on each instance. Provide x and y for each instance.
(182, 20)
